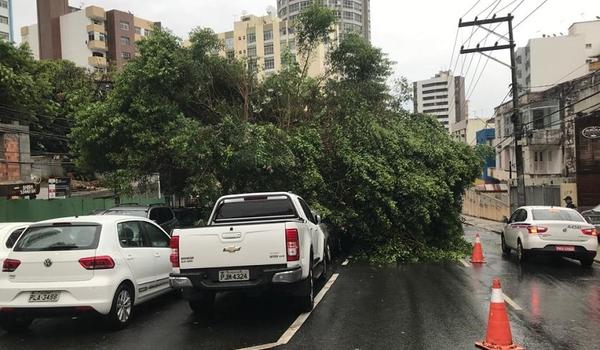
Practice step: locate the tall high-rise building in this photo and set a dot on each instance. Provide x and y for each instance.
(6, 25)
(91, 37)
(263, 41)
(353, 15)
(442, 96)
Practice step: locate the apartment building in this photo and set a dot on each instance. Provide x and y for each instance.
(354, 16)
(442, 96)
(466, 130)
(90, 37)
(553, 59)
(263, 43)
(6, 26)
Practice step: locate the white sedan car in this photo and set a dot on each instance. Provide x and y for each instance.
(97, 264)
(534, 230)
(9, 233)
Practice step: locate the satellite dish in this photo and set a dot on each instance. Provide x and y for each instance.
(271, 11)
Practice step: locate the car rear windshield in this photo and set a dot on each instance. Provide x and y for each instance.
(556, 215)
(127, 212)
(254, 208)
(59, 237)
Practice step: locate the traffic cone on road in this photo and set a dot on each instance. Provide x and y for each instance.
(498, 335)
(477, 254)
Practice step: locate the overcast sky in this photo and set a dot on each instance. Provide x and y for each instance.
(417, 35)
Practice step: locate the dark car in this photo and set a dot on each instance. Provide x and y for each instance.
(162, 214)
(593, 217)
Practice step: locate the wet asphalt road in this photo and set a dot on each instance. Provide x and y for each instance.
(442, 306)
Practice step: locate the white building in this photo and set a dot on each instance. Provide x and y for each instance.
(442, 96)
(552, 60)
(466, 130)
(6, 25)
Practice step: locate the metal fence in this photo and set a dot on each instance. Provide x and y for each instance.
(23, 210)
(537, 195)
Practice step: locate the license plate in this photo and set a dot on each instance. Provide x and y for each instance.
(565, 248)
(44, 297)
(234, 275)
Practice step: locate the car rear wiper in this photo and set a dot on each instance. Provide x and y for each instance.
(58, 246)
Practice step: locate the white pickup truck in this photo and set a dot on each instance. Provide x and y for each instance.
(252, 241)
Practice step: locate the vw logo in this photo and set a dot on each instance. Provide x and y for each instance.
(48, 262)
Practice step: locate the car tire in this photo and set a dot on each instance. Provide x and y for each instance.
(202, 305)
(121, 310)
(15, 324)
(505, 248)
(522, 254)
(586, 262)
(306, 300)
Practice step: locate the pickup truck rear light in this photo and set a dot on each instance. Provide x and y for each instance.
(292, 244)
(590, 231)
(10, 265)
(536, 229)
(103, 262)
(174, 251)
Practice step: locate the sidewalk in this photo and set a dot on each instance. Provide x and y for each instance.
(496, 227)
(489, 225)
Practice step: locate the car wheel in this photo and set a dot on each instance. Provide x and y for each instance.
(203, 305)
(119, 316)
(522, 255)
(505, 248)
(586, 262)
(15, 324)
(306, 300)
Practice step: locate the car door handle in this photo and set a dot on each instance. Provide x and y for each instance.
(157, 255)
(129, 257)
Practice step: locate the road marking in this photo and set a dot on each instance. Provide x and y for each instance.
(512, 303)
(287, 336)
(464, 262)
(291, 331)
(345, 262)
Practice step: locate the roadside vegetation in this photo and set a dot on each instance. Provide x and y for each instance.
(389, 182)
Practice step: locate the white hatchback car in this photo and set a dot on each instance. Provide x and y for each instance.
(550, 230)
(98, 264)
(9, 233)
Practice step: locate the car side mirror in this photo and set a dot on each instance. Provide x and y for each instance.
(318, 219)
(505, 219)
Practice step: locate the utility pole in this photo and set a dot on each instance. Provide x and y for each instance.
(516, 115)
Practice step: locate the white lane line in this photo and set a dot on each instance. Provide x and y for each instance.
(291, 331)
(512, 303)
(287, 336)
(464, 262)
(345, 262)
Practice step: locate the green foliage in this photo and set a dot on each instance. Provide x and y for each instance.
(390, 183)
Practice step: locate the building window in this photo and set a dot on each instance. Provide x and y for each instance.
(294, 7)
(269, 63)
(269, 49)
(251, 38)
(231, 55)
(4, 4)
(549, 156)
(588, 46)
(138, 30)
(97, 54)
(91, 36)
(125, 55)
(268, 35)
(101, 36)
(125, 41)
(357, 17)
(535, 158)
(4, 19)
(304, 4)
(349, 4)
(348, 15)
(4, 36)
(124, 25)
(252, 65)
(252, 52)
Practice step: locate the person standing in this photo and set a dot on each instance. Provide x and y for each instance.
(569, 202)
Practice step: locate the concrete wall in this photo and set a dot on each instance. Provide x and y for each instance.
(556, 60)
(491, 206)
(74, 38)
(30, 35)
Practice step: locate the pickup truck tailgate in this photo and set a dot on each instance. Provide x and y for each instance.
(228, 246)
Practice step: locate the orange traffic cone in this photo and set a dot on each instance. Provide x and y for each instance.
(498, 335)
(477, 254)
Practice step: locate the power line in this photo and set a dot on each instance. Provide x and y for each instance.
(472, 7)
(530, 13)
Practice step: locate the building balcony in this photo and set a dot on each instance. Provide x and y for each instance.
(542, 137)
(97, 61)
(594, 66)
(95, 12)
(97, 28)
(97, 45)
